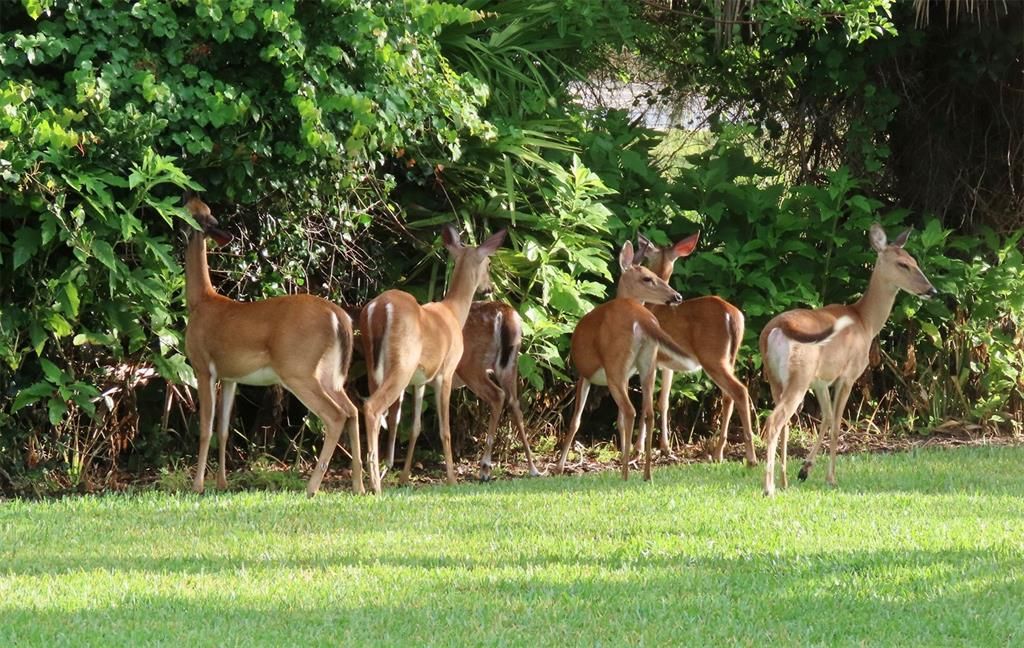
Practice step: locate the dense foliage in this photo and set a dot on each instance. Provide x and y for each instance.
(335, 136)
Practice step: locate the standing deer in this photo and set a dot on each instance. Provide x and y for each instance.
(299, 341)
(817, 348)
(408, 344)
(616, 340)
(710, 331)
(490, 368)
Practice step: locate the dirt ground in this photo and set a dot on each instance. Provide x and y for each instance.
(603, 456)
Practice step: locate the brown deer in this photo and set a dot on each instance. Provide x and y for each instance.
(616, 340)
(822, 347)
(299, 341)
(710, 331)
(408, 344)
(490, 368)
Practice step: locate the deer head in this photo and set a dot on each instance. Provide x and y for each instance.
(472, 264)
(661, 259)
(896, 267)
(207, 223)
(637, 282)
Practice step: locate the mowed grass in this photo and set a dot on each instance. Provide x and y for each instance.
(924, 548)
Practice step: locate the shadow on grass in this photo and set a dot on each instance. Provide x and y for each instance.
(861, 597)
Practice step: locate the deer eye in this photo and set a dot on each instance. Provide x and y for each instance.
(648, 280)
(905, 266)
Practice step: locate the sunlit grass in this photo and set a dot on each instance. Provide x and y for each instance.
(918, 548)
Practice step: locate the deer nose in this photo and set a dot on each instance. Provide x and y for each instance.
(931, 292)
(487, 292)
(676, 298)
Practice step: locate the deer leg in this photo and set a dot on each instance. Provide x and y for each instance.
(842, 395)
(627, 415)
(227, 400)
(733, 392)
(821, 393)
(442, 396)
(509, 381)
(582, 391)
(647, 424)
(718, 451)
(497, 403)
(517, 419)
(372, 417)
(357, 456)
(663, 398)
(414, 433)
(394, 414)
(347, 416)
(206, 387)
(396, 377)
(784, 454)
(785, 407)
(320, 401)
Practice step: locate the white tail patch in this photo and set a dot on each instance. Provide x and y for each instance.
(339, 380)
(728, 332)
(842, 322)
(382, 352)
(776, 355)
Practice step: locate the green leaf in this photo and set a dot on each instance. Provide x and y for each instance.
(57, 409)
(31, 394)
(51, 371)
(26, 243)
(932, 331)
(105, 253)
(69, 297)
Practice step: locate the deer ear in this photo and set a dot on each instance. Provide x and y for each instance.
(491, 245)
(901, 240)
(450, 237)
(877, 237)
(626, 256)
(643, 246)
(686, 246)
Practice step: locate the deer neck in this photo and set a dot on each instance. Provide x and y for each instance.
(459, 297)
(197, 272)
(624, 292)
(875, 306)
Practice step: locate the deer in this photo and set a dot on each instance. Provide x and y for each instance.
(822, 348)
(490, 369)
(710, 331)
(616, 340)
(493, 335)
(301, 342)
(406, 343)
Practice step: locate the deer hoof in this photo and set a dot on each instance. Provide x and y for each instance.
(485, 471)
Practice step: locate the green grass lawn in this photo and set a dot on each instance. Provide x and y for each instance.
(918, 548)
